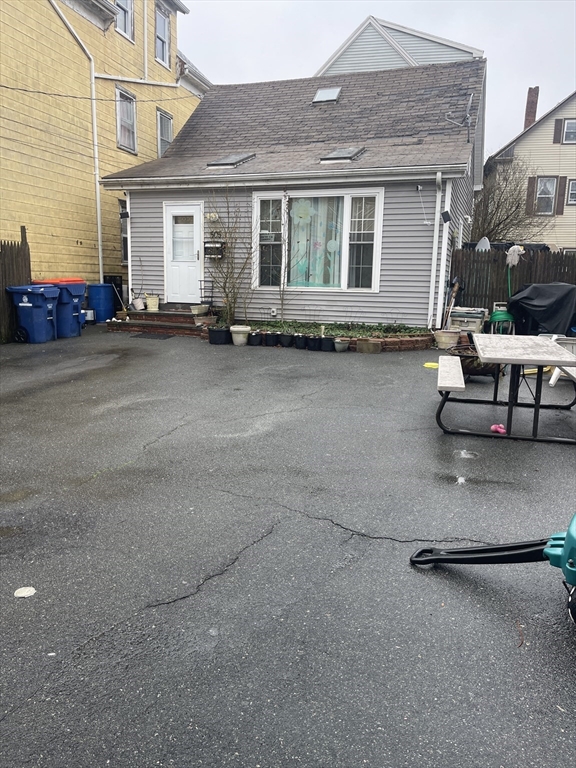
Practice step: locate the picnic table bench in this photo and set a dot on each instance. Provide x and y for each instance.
(516, 352)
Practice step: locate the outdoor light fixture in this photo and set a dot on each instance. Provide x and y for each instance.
(446, 217)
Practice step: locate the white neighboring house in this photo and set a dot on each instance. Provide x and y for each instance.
(548, 147)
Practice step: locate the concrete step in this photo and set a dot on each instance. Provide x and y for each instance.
(166, 316)
(144, 326)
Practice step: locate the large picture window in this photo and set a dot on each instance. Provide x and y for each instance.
(319, 241)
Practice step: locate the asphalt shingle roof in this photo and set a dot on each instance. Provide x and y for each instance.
(399, 116)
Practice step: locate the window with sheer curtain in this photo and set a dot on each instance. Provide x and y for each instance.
(320, 241)
(126, 120)
(545, 195)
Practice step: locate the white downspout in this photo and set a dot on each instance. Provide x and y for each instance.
(435, 240)
(145, 41)
(443, 257)
(128, 201)
(94, 134)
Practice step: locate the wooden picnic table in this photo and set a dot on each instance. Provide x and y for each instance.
(519, 352)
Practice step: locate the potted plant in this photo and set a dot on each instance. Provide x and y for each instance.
(270, 339)
(327, 343)
(286, 337)
(300, 340)
(218, 334)
(255, 338)
(239, 335)
(341, 345)
(313, 343)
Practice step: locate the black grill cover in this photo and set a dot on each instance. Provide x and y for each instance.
(549, 305)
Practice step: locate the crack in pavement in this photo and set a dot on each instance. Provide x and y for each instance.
(60, 666)
(353, 531)
(216, 574)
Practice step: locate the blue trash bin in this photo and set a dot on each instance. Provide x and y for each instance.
(101, 300)
(69, 308)
(36, 309)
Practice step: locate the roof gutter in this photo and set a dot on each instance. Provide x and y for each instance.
(273, 180)
(94, 133)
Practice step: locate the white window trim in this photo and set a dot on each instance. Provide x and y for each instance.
(565, 130)
(160, 9)
(571, 184)
(553, 211)
(127, 36)
(161, 113)
(347, 194)
(119, 92)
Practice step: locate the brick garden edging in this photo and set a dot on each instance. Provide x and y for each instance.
(400, 343)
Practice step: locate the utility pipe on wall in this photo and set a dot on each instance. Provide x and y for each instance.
(443, 257)
(94, 134)
(145, 41)
(435, 240)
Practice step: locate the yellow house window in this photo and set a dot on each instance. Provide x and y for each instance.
(126, 120)
(164, 131)
(162, 36)
(125, 18)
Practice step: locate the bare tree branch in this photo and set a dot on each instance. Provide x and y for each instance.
(500, 211)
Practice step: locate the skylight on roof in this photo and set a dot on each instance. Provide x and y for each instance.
(347, 153)
(231, 161)
(326, 94)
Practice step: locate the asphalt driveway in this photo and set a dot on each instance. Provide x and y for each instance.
(219, 541)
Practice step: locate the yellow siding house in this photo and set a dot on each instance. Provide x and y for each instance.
(547, 146)
(87, 88)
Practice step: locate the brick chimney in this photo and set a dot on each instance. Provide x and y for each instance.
(531, 107)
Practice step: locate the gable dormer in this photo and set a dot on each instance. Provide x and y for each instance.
(379, 44)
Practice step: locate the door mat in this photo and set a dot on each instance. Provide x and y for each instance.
(157, 336)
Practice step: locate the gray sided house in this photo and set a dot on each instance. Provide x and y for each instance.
(347, 192)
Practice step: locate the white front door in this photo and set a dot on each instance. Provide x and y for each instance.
(183, 252)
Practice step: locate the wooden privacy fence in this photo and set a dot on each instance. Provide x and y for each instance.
(14, 270)
(485, 273)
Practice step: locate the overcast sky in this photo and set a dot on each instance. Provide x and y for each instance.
(526, 43)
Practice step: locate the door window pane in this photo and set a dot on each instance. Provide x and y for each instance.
(315, 241)
(183, 238)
